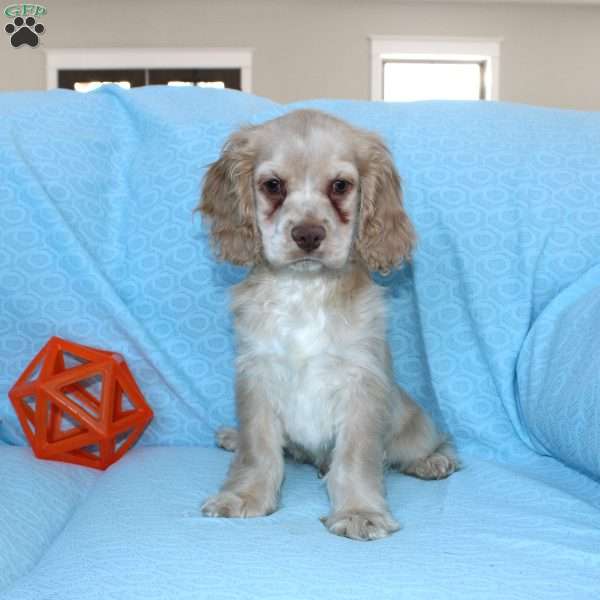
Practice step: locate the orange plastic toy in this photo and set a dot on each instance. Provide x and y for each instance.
(80, 405)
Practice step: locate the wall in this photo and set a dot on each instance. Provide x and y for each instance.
(550, 54)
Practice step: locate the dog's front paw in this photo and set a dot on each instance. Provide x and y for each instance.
(228, 504)
(361, 524)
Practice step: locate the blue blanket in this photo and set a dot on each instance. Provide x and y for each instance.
(99, 244)
(558, 376)
(489, 532)
(493, 328)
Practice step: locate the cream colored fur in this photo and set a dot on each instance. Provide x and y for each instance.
(314, 374)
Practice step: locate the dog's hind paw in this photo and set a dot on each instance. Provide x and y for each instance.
(227, 438)
(438, 465)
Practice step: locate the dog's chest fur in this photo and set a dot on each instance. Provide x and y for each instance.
(299, 335)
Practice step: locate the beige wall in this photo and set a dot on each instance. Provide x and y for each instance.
(307, 48)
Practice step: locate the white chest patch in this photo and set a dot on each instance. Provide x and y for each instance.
(306, 354)
(309, 343)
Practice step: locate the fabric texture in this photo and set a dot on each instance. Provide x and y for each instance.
(506, 204)
(100, 245)
(559, 377)
(37, 499)
(493, 329)
(486, 532)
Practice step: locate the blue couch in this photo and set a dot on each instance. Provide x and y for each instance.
(494, 327)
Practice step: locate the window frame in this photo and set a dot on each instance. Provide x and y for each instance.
(149, 58)
(386, 48)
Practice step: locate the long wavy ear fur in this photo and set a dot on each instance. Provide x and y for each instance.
(228, 204)
(385, 234)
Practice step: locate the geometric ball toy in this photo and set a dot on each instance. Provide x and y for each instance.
(79, 405)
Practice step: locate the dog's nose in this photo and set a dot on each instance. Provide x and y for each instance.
(308, 237)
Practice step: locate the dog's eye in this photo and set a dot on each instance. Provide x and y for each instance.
(340, 187)
(273, 187)
(274, 190)
(338, 191)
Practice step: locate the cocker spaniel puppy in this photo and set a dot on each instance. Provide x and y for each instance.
(312, 205)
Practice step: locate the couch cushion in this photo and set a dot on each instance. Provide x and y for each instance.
(530, 531)
(37, 499)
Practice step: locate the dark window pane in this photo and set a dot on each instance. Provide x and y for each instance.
(232, 78)
(67, 78)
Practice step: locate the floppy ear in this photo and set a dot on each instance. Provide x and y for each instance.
(228, 202)
(385, 233)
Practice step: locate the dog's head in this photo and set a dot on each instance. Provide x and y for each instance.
(306, 191)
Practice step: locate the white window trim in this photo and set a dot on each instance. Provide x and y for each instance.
(149, 58)
(427, 48)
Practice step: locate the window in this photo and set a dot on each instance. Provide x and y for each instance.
(86, 80)
(409, 69)
(87, 69)
(90, 86)
(409, 80)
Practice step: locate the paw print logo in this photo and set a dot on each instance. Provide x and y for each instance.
(24, 32)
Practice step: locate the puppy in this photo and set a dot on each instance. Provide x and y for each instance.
(312, 205)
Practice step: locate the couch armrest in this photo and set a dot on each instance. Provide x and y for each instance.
(558, 377)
